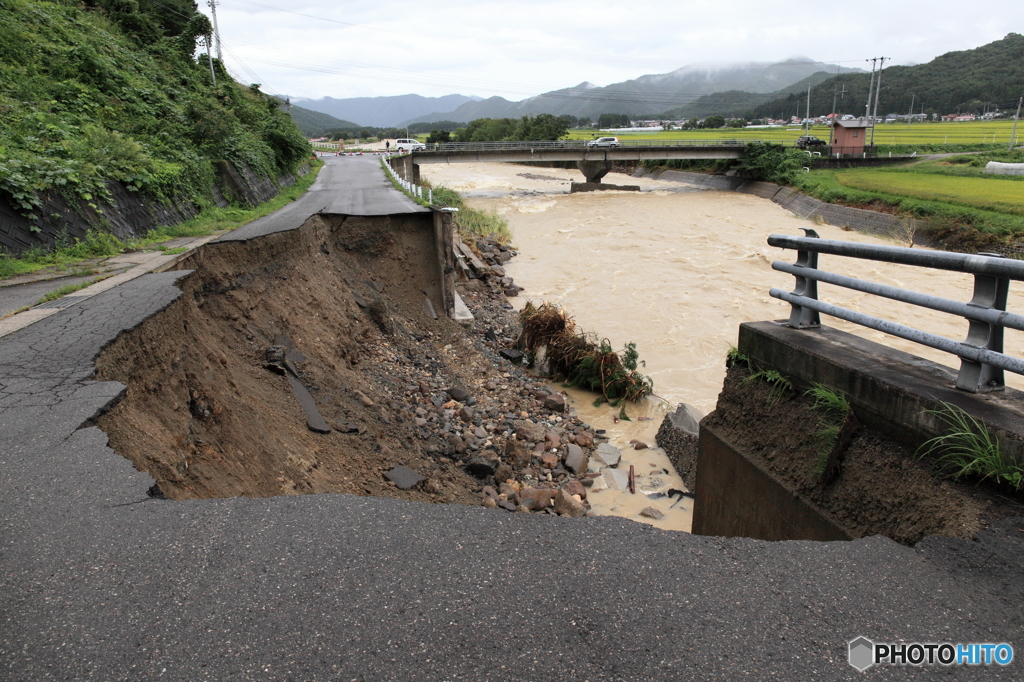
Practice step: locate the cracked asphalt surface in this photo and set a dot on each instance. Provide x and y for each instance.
(100, 581)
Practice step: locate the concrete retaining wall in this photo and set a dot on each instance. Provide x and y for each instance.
(737, 498)
(129, 214)
(807, 207)
(893, 392)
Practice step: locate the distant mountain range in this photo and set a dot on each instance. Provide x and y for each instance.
(983, 78)
(314, 123)
(382, 112)
(646, 96)
(988, 76)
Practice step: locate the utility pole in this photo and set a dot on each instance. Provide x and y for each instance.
(871, 88)
(216, 31)
(911, 112)
(807, 124)
(1016, 118)
(878, 92)
(209, 49)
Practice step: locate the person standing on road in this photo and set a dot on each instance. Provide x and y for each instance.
(387, 146)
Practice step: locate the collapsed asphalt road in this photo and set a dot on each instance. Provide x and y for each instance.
(99, 580)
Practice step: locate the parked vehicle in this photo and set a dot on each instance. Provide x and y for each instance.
(407, 145)
(604, 142)
(805, 141)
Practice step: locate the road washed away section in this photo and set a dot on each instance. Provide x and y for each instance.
(102, 579)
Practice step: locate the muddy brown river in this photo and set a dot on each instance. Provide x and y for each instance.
(676, 269)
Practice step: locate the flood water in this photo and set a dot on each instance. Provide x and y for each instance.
(676, 269)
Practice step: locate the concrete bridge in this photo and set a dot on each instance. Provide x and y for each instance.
(594, 162)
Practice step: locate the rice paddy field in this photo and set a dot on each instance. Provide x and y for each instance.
(897, 134)
(953, 190)
(1003, 194)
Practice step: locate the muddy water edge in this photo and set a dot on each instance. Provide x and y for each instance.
(675, 269)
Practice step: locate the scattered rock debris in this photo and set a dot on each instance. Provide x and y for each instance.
(418, 408)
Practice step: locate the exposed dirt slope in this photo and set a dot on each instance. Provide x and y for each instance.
(880, 489)
(208, 416)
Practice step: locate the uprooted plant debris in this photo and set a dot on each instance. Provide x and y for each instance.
(581, 359)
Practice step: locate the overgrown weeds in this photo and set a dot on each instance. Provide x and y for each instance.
(472, 221)
(581, 359)
(778, 384)
(969, 450)
(834, 430)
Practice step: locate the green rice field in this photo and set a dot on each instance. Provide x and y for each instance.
(964, 133)
(1003, 194)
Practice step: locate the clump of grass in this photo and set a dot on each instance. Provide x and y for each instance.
(778, 383)
(969, 450)
(583, 360)
(833, 404)
(836, 415)
(471, 220)
(736, 357)
(68, 289)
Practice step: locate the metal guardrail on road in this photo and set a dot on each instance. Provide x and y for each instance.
(981, 354)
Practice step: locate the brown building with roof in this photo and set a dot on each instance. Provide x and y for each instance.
(850, 136)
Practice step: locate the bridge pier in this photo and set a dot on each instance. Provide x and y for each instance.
(409, 171)
(594, 171)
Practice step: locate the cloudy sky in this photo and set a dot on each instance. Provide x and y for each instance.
(313, 48)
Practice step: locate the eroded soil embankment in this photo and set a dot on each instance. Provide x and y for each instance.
(881, 488)
(206, 417)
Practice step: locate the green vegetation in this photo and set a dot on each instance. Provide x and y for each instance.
(779, 384)
(771, 162)
(969, 450)
(969, 209)
(835, 411)
(472, 221)
(315, 124)
(68, 289)
(99, 244)
(898, 138)
(110, 90)
(540, 127)
(1002, 194)
(956, 81)
(583, 360)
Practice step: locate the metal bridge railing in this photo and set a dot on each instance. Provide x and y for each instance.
(577, 145)
(981, 354)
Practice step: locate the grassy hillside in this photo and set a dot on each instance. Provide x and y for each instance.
(963, 81)
(314, 124)
(110, 90)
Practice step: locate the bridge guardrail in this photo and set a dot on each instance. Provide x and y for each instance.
(577, 145)
(981, 354)
(410, 188)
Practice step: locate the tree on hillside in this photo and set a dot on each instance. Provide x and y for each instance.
(613, 121)
(541, 127)
(487, 130)
(771, 162)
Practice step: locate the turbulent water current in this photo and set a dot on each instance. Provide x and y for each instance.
(676, 269)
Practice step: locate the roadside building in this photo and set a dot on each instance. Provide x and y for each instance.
(849, 136)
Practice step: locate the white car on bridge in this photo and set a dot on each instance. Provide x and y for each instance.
(604, 142)
(406, 145)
